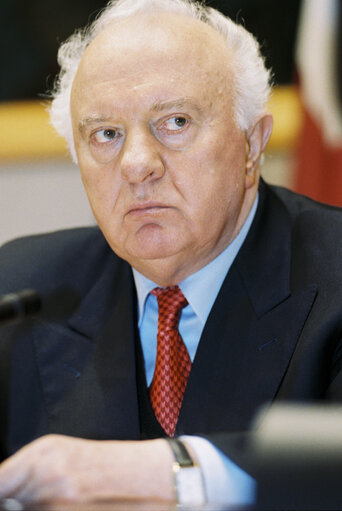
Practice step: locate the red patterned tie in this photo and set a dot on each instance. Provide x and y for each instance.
(173, 363)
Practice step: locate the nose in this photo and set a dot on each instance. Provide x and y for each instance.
(140, 159)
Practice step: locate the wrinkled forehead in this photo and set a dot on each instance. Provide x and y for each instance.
(157, 43)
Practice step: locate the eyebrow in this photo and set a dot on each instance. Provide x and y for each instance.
(160, 106)
(91, 120)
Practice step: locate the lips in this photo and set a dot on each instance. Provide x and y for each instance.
(146, 208)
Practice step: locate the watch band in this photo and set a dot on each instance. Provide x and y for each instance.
(187, 474)
(180, 453)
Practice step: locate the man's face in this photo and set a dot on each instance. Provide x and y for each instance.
(161, 157)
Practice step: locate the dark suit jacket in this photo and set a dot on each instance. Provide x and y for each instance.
(274, 332)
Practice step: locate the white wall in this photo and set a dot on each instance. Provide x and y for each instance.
(41, 196)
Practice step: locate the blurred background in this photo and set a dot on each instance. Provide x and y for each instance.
(40, 188)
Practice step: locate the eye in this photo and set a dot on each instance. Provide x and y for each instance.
(176, 131)
(105, 135)
(175, 123)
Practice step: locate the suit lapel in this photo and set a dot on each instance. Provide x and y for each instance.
(251, 332)
(87, 368)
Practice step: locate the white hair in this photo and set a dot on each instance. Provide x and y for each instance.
(251, 78)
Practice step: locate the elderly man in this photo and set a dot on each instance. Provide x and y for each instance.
(203, 294)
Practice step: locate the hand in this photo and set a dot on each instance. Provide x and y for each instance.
(58, 468)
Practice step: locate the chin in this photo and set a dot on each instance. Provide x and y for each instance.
(152, 243)
(150, 252)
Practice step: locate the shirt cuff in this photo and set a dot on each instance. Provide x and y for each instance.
(225, 482)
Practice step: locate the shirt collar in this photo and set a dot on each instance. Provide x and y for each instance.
(205, 282)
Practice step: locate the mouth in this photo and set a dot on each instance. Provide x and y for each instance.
(149, 208)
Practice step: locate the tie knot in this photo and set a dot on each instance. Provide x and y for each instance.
(170, 301)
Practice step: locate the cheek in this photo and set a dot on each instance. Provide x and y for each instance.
(218, 171)
(215, 187)
(94, 176)
(101, 188)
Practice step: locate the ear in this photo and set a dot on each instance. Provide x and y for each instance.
(257, 137)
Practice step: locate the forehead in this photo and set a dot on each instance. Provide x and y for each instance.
(159, 51)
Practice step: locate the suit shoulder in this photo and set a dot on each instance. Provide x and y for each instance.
(316, 238)
(34, 248)
(41, 259)
(299, 205)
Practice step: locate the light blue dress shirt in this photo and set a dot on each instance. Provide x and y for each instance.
(225, 482)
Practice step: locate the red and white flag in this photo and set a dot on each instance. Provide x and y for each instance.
(319, 157)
